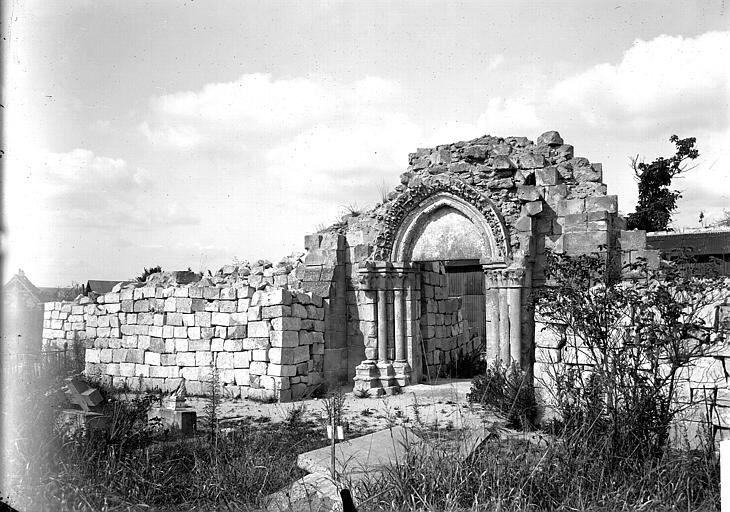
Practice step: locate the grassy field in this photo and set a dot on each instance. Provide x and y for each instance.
(140, 466)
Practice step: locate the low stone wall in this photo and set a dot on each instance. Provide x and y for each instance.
(264, 344)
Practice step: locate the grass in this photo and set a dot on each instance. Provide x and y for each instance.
(140, 466)
(516, 475)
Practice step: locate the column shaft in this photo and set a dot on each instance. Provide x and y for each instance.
(382, 327)
(398, 319)
(504, 327)
(515, 324)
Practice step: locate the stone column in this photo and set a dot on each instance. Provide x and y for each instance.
(491, 296)
(367, 374)
(515, 279)
(382, 327)
(400, 321)
(398, 318)
(504, 326)
(505, 313)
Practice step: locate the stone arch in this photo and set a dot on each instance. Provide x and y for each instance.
(481, 242)
(411, 210)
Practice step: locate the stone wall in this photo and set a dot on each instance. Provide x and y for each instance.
(265, 343)
(446, 335)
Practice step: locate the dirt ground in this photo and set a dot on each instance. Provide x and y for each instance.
(442, 404)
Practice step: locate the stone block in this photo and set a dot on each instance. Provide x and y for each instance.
(168, 359)
(152, 358)
(528, 193)
(503, 162)
(602, 203)
(260, 355)
(275, 311)
(286, 323)
(238, 332)
(280, 370)
(211, 293)
(224, 360)
(222, 319)
(242, 359)
(533, 208)
(573, 223)
(549, 176)
(126, 369)
(242, 376)
(571, 207)
(183, 304)
(258, 329)
(585, 243)
(633, 240)
(174, 319)
(239, 319)
(227, 306)
(254, 313)
(258, 368)
(592, 172)
(204, 358)
(232, 345)
(199, 344)
(185, 358)
(532, 161)
(276, 297)
(256, 343)
(203, 318)
(284, 339)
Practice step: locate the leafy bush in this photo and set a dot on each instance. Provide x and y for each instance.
(509, 390)
(624, 347)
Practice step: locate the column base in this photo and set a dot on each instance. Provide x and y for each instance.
(367, 379)
(402, 373)
(386, 373)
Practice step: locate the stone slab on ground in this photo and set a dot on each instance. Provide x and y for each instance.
(361, 455)
(312, 493)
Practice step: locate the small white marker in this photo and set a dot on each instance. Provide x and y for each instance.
(340, 432)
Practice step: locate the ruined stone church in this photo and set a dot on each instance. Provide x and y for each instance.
(385, 298)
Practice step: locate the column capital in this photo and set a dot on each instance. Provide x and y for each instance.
(384, 275)
(509, 277)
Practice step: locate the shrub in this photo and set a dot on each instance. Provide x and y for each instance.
(624, 346)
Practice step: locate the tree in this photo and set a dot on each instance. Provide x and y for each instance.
(656, 201)
(625, 348)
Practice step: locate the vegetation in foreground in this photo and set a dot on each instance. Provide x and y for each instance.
(138, 465)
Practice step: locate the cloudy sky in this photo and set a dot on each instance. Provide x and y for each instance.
(190, 133)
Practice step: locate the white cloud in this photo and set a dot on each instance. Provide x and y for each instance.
(666, 84)
(83, 189)
(228, 113)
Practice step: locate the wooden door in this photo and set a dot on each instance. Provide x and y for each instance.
(467, 281)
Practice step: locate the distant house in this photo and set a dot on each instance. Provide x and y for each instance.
(707, 248)
(22, 309)
(22, 313)
(101, 287)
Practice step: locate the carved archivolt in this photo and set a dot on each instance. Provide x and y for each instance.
(408, 212)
